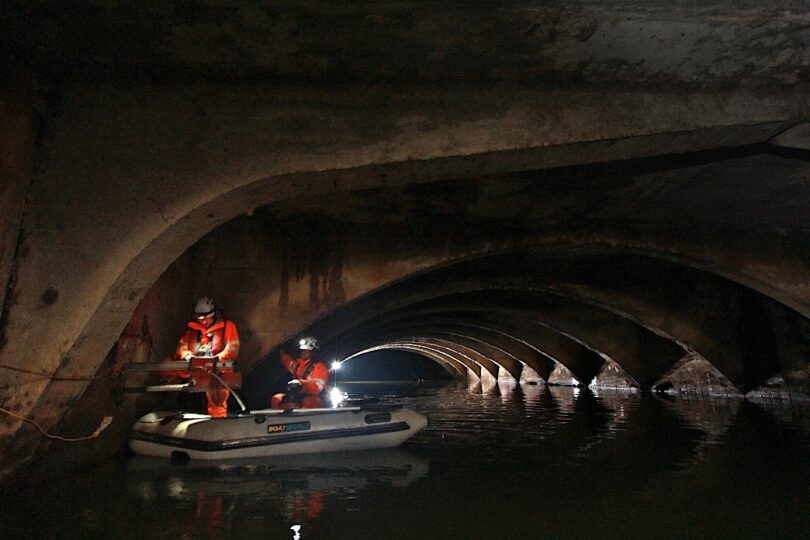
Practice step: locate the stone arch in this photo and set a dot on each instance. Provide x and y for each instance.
(451, 362)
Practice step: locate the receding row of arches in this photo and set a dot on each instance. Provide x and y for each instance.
(576, 316)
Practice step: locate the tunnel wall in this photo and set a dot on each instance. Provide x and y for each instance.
(162, 314)
(17, 145)
(150, 336)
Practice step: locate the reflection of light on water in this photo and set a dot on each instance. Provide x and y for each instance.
(175, 486)
(295, 529)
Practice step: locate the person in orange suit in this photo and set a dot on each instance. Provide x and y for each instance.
(210, 334)
(310, 376)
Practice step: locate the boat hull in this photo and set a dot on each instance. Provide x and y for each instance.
(273, 432)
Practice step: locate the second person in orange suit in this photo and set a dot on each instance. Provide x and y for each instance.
(310, 376)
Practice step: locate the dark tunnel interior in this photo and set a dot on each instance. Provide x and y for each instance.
(555, 253)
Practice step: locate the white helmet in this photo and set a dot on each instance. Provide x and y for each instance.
(204, 306)
(308, 343)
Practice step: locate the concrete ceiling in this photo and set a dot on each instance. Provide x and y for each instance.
(640, 43)
(756, 187)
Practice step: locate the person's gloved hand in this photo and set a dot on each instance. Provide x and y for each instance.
(294, 385)
(188, 356)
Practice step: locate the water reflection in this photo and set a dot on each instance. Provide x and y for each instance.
(330, 472)
(620, 406)
(294, 487)
(713, 417)
(518, 461)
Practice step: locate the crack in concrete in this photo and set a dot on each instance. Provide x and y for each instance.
(10, 284)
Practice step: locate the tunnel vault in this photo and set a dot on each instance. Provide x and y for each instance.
(557, 208)
(515, 298)
(532, 308)
(541, 299)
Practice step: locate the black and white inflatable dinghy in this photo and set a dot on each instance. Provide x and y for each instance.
(274, 432)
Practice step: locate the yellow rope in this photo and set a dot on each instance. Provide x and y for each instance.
(106, 421)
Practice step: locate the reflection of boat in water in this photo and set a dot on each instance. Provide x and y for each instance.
(149, 476)
(273, 432)
(212, 494)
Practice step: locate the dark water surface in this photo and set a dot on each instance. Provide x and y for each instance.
(505, 462)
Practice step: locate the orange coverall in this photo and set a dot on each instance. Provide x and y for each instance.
(314, 382)
(221, 340)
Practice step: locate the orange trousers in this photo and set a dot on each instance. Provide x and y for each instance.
(218, 401)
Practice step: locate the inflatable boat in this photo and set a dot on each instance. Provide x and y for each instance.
(273, 432)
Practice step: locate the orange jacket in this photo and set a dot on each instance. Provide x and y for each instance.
(315, 381)
(220, 340)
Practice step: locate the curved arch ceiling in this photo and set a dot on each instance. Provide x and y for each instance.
(575, 308)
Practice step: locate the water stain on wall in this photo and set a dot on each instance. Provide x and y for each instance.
(313, 245)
